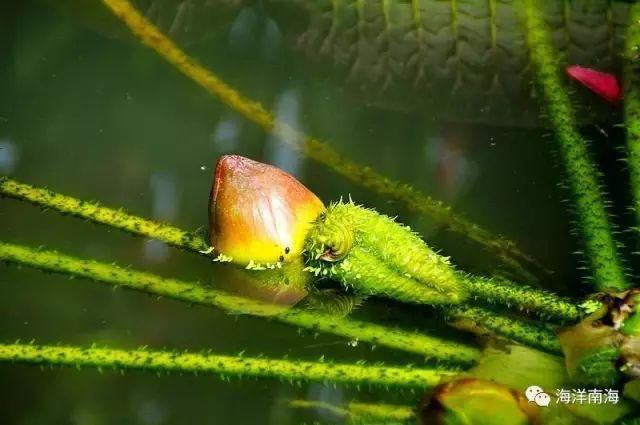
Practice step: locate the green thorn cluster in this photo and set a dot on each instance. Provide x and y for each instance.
(430, 347)
(378, 256)
(226, 366)
(601, 248)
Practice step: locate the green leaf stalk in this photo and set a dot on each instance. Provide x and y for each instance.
(632, 104)
(357, 413)
(430, 347)
(225, 366)
(596, 230)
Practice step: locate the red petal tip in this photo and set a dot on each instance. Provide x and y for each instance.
(603, 84)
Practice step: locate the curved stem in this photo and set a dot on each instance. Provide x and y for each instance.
(238, 366)
(412, 342)
(318, 150)
(600, 246)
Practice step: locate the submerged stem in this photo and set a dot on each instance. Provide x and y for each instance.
(632, 104)
(601, 248)
(238, 366)
(430, 347)
(355, 412)
(527, 334)
(318, 150)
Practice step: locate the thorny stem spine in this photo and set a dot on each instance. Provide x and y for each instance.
(167, 361)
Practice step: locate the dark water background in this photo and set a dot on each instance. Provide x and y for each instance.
(105, 119)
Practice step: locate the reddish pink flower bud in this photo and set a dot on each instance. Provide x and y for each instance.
(603, 84)
(258, 212)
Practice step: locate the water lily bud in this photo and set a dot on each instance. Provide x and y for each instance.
(604, 349)
(472, 401)
(258, 213)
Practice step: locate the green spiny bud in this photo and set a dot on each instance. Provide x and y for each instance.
(374, 254)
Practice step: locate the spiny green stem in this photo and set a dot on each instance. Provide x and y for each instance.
(318, 150)
(543, 303)
(360, 413)
(430, 347)
(632, 103)
(166, 361)
(99, 214)
(583, 180)
(381, 411)
(515, 330)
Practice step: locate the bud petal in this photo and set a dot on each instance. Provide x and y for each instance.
(258, 213)
(603, 84)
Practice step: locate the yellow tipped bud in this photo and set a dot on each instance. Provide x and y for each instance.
(258, 213)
